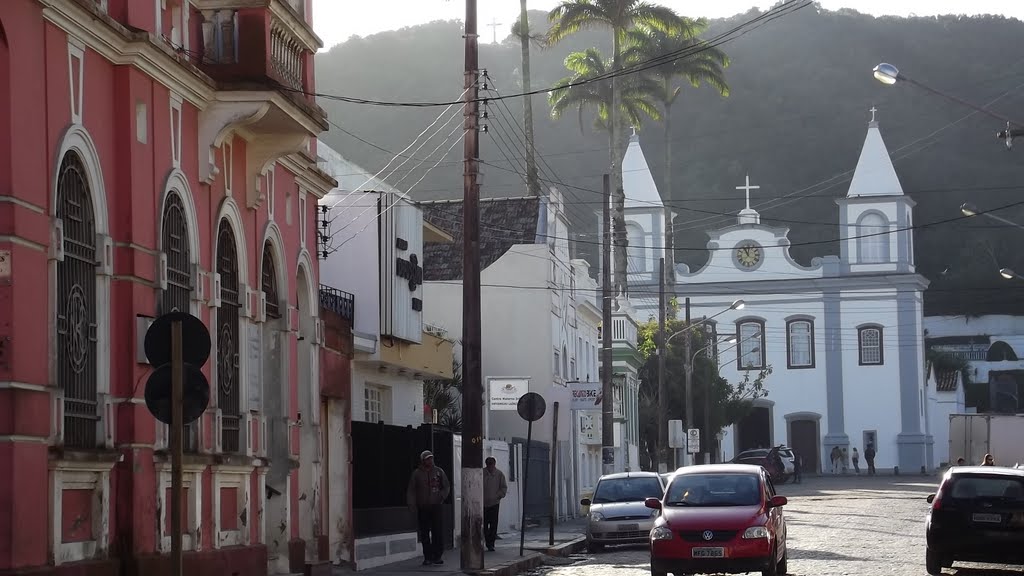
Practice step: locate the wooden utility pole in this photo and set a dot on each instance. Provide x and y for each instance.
(687, 343)
(662, 351)
(471, 550)
(607, 359)
(532, 180)
(177, 440)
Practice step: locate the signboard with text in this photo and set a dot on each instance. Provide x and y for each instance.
(693, 440)
(585, 395)
(504, 393)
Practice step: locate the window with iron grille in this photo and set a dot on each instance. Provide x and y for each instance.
(227, 339)
(269, 283)
(177, 296)
(869, 339)
(76, 305)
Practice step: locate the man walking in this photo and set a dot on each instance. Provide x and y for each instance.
(869, 456)
(856, 460)
(428, 489)
(495, 488)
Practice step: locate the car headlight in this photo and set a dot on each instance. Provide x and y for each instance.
(661, 533)
(596, 516)
(755, 532)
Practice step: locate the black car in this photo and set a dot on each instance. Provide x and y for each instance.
(977, 515)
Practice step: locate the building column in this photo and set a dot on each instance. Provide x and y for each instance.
(915, 446)
(833, 326)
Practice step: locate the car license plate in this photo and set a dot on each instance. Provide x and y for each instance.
(629, 527)
(987, 518)
(709, 552)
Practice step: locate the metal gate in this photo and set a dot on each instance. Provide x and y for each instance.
(536, 493)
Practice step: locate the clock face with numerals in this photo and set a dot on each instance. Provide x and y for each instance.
(748, 255)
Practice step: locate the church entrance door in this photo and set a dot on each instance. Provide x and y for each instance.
(754, 430)
(803, 436)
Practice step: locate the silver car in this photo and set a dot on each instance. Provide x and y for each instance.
(617, 511)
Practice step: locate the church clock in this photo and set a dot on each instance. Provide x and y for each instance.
(748, 255)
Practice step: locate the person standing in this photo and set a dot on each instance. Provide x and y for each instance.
(495, 488)
(869, 455)
(988, 461)
(427, 491)
(856, 461)
(798, 466)
(835, 456)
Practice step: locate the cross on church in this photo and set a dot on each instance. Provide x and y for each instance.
(747, 188)
(494, 28)
(873, 110)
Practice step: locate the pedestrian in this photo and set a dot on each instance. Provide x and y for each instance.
(844, 457)
(798, 467)
(960, 461)
(856, 461)
(428, 489)
(989, 461)
(869, 456)
(834, 456)
(495, 488)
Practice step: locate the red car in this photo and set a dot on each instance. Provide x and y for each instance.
(719, 518)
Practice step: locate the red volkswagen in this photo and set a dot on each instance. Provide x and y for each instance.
(719, 518)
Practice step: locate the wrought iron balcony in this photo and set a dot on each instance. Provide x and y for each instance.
(338, 301)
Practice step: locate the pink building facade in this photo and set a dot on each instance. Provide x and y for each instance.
(158, 155)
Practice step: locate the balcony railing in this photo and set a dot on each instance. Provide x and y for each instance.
(338, 301)
(287, 60)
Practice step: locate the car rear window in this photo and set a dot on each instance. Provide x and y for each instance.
(714, 490)
(627, 490)
(970, 487)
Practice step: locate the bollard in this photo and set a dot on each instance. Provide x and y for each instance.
(895, 470)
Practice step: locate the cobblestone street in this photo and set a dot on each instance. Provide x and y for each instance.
(837, 527)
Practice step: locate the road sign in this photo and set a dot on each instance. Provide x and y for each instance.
(195, 394)
(195, 340)
(531, 407)
(676, 438)
(693, 440)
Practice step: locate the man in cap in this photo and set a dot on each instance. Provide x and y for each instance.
(428, 489)
(495, 488)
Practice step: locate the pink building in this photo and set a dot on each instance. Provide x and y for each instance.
(158, 155)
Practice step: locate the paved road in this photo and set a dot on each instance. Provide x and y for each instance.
(837, 527)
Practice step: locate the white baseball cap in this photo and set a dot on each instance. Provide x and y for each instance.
(426, 454)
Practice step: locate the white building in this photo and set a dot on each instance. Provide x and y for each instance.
(588, 351)
(843, 335)
(376, 253)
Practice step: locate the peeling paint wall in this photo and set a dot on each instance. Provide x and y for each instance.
(340, 481)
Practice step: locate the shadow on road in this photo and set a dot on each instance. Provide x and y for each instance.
(802, 554)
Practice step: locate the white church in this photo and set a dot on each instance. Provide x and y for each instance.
(843, 336)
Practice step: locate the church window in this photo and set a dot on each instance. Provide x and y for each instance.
(637, 257)
(556, 363)
(872, 239)
(565, 363)
(750, 348)
(800, 343)
(869, 339)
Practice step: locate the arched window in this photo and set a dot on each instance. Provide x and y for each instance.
(800, 343)
(76, 305)
(175, 246)
(228, 392)
(869, 344)
(636, 249)
(872, 239)
(565, 363)
(750, 347)
(269, 283)
(1000, 352)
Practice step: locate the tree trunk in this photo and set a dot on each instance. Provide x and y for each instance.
(666, 195)
(532, 180)
(619, 280)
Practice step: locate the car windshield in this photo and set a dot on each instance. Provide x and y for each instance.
(1001, 487)
(714, 490)
(753, 454)
(786, 453)
(613, 490)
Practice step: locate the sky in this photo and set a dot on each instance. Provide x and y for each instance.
(337, 20)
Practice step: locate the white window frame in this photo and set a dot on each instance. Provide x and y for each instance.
(864, 349)
(807, 339)
(873, 238)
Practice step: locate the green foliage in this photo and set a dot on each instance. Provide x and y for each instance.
(445, 396)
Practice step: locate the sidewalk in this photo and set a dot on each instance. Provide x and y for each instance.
(537, 537)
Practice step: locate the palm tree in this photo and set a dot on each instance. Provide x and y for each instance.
(696, 63)
(445, 396)
(620, 16)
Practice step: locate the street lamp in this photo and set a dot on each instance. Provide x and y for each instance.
(736, 305)
(968, 209)
(1010, 274)
(732, 339)
(886, 73)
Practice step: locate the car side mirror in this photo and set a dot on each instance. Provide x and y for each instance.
(653, 503)
(585, 502)
(930, 498)
(778, 501)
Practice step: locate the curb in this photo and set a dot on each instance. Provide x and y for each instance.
(514, 567)
(567, 548)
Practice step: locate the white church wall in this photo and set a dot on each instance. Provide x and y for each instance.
(774, 262)
(871, 393)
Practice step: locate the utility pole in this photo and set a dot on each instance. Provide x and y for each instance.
(710, 444)
(662, 394)
(607, 394)
(471, 550)
(687, 340)
(532, 180)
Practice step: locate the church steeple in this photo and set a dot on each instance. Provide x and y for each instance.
(875, 174)
(637, 180)
(748, 215)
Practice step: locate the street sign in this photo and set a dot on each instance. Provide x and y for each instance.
(531, 407)
(195, 340)
(676, 437)
(693, 440)
(195, 351)
(195, 394)
(585, 395)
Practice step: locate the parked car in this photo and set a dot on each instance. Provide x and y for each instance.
(976, 517)
(719, 518)
(618, 514)
(758, 457)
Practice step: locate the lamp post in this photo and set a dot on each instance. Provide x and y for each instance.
(889, 75)
(968, 209)
(1010, 274)
(688, 368)
(732, 339)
